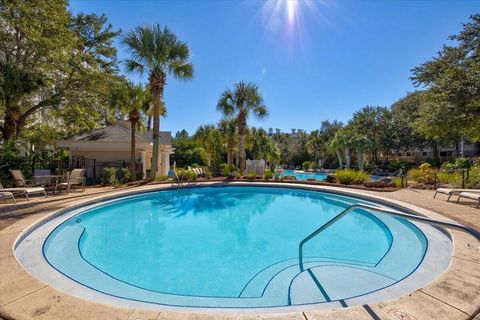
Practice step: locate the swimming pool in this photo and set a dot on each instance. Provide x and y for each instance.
(302, 176)
(233, 247)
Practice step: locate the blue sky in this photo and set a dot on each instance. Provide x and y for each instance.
(313, 60)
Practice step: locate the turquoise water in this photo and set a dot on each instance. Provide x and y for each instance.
(304, 176)
(238, 246)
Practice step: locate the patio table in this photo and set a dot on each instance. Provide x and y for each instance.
(50, 177)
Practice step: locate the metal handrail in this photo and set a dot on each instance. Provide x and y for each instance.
(389, 212)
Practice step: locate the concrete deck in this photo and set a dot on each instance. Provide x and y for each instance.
(454, 295)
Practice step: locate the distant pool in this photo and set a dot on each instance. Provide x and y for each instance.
(306, 175)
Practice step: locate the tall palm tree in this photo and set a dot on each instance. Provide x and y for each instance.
(228, 128)
(157, 52)
(315, 144)
(240, 102)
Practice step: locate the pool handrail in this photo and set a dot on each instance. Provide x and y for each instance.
(390, 212)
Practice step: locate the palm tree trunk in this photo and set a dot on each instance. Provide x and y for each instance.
(347, 157)
(340, 160)
(156, 132)
(230, 153)
(360, 159)
(149, 123)
(133, 174)
(241, 141)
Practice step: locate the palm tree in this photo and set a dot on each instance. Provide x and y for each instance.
(132, 100)
(228, 128)
(315, 145)
(157, 52)
(243, 100)
(361, 144)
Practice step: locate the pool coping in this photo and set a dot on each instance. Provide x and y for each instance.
(406, 285)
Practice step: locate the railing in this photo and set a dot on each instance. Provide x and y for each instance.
(437, 223)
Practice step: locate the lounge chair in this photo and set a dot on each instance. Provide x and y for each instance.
(20, 180)
(470, 195)
(451, 192)
(24, 190)
(74, 178)
(7, 195)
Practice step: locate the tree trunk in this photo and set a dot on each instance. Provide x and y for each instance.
(149, 123)
(10, 125)
(436, 155)
(133, 125)
(242, 123)
(340, 160)
(157, 83)
(347, 157)
(230, 153)
(360, 159)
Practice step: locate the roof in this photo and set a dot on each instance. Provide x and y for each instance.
(119, 132)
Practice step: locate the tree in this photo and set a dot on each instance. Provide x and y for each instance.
(375, 124)
(361, 144)
(209, 138)
(157, 52)
(47, 66)
(240, 102)
(228, 128)
(132, 100)
(315, 145)
(453, 82)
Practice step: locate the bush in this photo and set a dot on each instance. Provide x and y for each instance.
(161, 178)
(306, 165)
(349, 176)
(124, 175)
(110, 176)
(473, 181)
(226, 169)
(462, 163)
(454, 178)
(251, 176)
(398, 182)
(424, 174)
(268, 175)
(187, 175)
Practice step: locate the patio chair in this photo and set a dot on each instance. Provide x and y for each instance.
(24, 190)
(74, 178)
(470, 195)
(450, 192)
(20, 180)
(7, 195)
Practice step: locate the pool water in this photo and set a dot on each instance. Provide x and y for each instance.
(233, 247)
(302, 176)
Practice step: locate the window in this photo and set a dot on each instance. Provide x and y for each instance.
(424, 154)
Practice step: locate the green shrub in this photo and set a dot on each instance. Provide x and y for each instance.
(306, 165)
(349, 176)
(110, 176)
(473, 181)
(226, 169)
(462, 163)
(161, 178)
(187, 175)
(398, 182)
(454, 178)
(268, 175)
(208, 174)
(424, 174)
(251, 176)
(124, 175)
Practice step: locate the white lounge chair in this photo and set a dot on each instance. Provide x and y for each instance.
(451, 192)
(471, 196)
(74, 178)
(7, 195)
(24, 190)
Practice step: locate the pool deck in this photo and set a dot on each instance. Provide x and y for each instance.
(454, 295)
